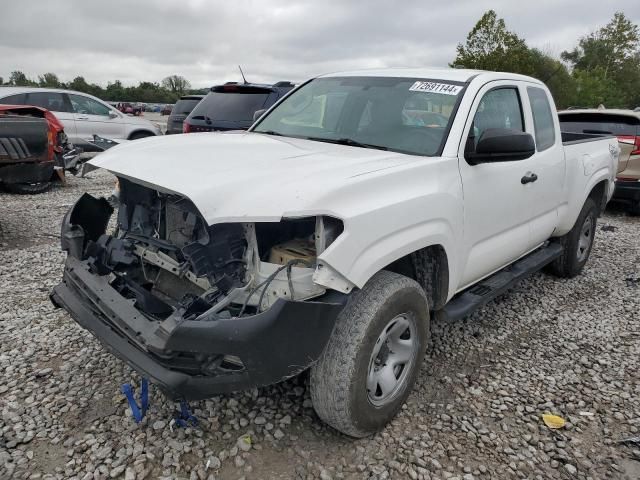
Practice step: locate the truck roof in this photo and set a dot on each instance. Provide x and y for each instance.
(452, 74)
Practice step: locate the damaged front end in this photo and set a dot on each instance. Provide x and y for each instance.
(198, 309)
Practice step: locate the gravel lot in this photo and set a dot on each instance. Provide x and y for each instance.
(569, 347)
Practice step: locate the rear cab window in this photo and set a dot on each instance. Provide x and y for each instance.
(545, 132)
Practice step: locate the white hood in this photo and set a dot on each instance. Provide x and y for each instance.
(248, 177)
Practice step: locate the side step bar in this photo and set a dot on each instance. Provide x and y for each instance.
(479, 294)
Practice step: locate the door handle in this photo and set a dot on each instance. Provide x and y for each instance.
(82, 118)
(529, 178)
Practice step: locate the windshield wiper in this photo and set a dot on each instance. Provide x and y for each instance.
(270, 132)
(347, 141)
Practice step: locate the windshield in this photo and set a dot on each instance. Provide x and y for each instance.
(407, 115)
(230, 106)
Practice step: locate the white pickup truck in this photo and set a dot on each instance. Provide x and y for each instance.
(327, 236)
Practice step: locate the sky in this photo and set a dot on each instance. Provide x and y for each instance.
(204, 41)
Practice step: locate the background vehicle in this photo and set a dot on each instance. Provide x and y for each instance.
(166, 109)
(624, 124)
(27, 155)
(325, 236)
(134, 109)
(231, 106)
(81, 114)
(179, 112)
(65, 154)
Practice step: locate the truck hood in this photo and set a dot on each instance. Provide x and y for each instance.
(249, 177)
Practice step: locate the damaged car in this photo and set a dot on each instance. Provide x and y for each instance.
(33, 146)
(326, 236)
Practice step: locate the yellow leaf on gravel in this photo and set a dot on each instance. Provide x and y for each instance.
(553, 421)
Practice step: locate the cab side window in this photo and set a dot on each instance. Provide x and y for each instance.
(52, 101)
(87, 106)
(13, 99)
(499, 108)
(542, 118)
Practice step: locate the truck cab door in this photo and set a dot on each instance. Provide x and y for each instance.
(548, 193)
(497, 210)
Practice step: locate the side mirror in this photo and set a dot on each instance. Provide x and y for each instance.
(113, 114)
(502, 145)
(258, 113)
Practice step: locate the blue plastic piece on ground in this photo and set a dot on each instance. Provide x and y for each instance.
(138, 411)
(185, 417)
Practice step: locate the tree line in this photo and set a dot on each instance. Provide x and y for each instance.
(603, 68)
(167, 91)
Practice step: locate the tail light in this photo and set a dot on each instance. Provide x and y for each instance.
(186, 128)
(632, 139)
(51, 145)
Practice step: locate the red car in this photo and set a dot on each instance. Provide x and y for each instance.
(129, 109)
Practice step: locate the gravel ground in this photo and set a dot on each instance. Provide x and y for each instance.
(569, 347)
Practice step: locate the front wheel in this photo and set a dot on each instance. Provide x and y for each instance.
(138, 135)
(371, 361)
(577, 244)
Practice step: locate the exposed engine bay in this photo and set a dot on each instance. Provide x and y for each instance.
(164, 258)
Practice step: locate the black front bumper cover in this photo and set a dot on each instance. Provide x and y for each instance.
(273, 345)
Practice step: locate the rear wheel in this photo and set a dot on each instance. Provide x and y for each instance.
(370, 364)
(634, 209)
(28, 188)
(577, 243)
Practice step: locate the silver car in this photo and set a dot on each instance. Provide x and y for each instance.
(81, 114)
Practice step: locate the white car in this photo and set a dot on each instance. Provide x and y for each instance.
(81, 114)
(326, 236)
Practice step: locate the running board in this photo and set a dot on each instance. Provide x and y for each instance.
(479, 294)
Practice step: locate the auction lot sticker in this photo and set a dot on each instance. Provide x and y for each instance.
(433, 87)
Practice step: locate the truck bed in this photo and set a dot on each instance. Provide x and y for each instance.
(572, 138)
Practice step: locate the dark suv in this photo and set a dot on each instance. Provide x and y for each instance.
(231, 106)
(179, 112)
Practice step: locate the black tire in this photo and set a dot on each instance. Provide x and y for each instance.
(138, 135)
(575, 255)
(339, 379)
(634, 209)
(27, 188)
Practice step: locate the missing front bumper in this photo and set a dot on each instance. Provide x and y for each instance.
(272, 346)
